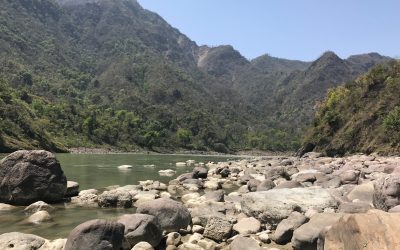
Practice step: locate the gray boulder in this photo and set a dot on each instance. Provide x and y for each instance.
(38, 206)
(244, 243)
(72, 189)
(96, 235)
(274, 205)
(29, 176)
(284, 231)
(115, 198)
(306, 236)
(20, 241)
(265, 185)
(141, 227)
(387, 192)
(217, 229)
(171, 215)
(199, 172)
(247, 226)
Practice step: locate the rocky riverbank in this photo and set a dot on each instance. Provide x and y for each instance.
(272, 202)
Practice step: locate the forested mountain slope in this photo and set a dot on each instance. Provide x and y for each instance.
(361, 116)
(109, 73)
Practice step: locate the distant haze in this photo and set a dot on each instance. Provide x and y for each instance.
(300, 30)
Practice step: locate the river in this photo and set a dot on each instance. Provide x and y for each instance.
(98, 171)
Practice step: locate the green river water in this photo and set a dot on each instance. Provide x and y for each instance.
(98, 171)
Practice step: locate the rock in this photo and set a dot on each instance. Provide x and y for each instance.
(247, 226)
(72, 189)
(144, 196)
(286, 162)
(125, 167)
(20, 241)
(288, 184)
(190, 246)
(198, 229)
(363, 193)
(96, 234)
(373, 230)
(57, 244)
(264, 237)
(387, 192)
(225, 172)
(180, 164)
(350, 177)
(171, 215)
(115, 198)
(30, 176)
(38, 206)
(354, 207)
(6, 207)
(306, 236)
(142, 246)
(217, 196)
(244, 243)
(190, 163)
(217, 229)
(173, 238)
(284, 231)
(141, 227)
(212, 184)
(253, 184)
(200, 172)
(39, 217)
(305, 177)
(167, 172)
(275, 173)
(395, 209)
(265, 185)
(274, 205)
(86, 198)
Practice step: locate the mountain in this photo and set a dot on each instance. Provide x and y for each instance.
(108, 73)
(361, 116)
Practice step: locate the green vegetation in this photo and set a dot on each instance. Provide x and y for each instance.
(362, 116)
(79, 73)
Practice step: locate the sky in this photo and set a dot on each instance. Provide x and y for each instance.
(292, 29)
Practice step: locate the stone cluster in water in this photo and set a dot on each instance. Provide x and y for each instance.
(311, 202)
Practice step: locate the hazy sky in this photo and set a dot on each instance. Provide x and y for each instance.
(293, 29)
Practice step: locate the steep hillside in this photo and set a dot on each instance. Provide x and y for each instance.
(103, 73)
(361, 116)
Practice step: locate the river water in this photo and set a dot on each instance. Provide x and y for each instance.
(98, 171)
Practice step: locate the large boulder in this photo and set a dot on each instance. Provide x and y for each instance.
(115, 198)
(20, 241)
(387, 192)
(284, 231)
(96, 235)
(29, 176)
(171, 215)
(141, 227)
(274, 205)
(373, 230)
(306, 236)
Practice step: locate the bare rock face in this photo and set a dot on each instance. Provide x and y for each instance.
(387, 192)
(30, 176)
(96, 234)
(369, 231)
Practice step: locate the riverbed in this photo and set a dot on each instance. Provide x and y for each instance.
(99, 171)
